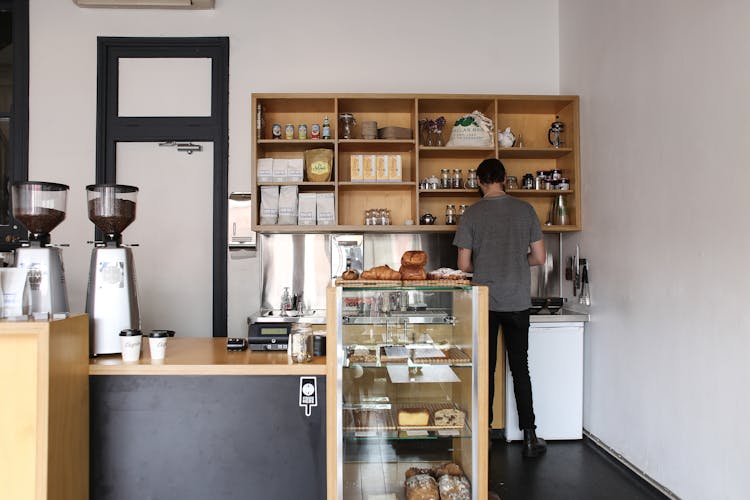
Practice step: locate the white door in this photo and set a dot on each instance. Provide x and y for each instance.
(174, 230)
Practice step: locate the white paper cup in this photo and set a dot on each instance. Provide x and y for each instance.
(130, 344)
(157, 345)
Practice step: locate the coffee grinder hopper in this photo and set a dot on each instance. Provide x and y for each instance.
(40, 207)
(111, 209)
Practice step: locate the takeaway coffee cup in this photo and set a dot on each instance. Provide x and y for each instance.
(157, 343)
(130, 343)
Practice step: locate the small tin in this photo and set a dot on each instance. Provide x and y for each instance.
(289, 131)
(276, 131)
(302, 132)
(315, 131)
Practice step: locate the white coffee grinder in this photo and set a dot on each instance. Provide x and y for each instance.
(40, 206)
(111, 300)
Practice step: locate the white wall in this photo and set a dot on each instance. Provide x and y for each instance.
(665, 121)
(486, 46)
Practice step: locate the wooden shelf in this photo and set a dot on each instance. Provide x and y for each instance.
(527, 115)
(533, 153)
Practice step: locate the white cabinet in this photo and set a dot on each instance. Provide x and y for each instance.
(556, 369)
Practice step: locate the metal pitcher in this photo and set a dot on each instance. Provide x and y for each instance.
(559, 211)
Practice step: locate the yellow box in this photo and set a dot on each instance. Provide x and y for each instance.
(368, 168)
(356, 168)
(395, 174)
(381, 168)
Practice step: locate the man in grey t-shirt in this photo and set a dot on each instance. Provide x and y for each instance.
(498, 238)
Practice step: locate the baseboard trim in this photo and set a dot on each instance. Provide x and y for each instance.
(625, 462)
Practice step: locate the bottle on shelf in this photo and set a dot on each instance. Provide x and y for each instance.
(286, 302)
(325, 132)
(260, 123)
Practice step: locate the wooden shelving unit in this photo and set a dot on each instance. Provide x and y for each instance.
(527, 115)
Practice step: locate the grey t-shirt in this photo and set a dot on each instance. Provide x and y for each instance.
(498, 231)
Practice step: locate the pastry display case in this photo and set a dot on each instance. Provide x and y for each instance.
(407, 390)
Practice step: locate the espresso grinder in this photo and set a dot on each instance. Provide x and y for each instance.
(111, 300)
(40, 206)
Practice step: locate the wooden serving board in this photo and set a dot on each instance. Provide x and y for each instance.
(359, 282)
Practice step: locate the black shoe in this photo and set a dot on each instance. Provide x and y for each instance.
(532, 445)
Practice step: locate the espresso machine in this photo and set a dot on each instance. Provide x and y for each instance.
(40, 206)
(111, 300)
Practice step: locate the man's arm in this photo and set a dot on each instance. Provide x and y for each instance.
(464, 260)
(537, 256)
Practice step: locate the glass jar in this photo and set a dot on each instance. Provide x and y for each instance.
(511, 182)
(528, 181)
(450, 214)
(471, 179)
(461, 210)
(299, 347)
(445, 178)
(456, 180)
(564, 183)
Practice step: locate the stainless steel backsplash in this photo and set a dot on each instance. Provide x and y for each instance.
(304, 262)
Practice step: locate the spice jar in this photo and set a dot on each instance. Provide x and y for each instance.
(457, 183)
(445, 178)
(471, 179)
(450, 214)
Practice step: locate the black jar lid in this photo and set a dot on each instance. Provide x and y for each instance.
(130, 332)
(160, 334)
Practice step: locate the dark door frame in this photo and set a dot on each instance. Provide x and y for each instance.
(111, 129)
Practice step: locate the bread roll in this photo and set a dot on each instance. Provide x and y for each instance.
(422, 487)
(412, 272)
(414, 258)
(454, 487)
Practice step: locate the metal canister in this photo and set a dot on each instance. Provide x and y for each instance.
(528, 181)
(289, 131)
(276, 131)
(302, 132)
(539, 180)
(315, 131)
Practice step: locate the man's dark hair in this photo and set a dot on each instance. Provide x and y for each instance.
(491, 171)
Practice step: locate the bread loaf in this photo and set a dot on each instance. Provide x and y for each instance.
(414, 258)
(412, 272)
(422, 487)
(414, 417)
(450, 418)
(454, 487)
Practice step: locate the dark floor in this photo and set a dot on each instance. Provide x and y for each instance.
(577, 470)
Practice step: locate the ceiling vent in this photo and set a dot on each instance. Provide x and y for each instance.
(148, 4)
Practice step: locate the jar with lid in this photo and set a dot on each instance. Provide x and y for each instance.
(385, 217)
(471, 179)
(528, 181)
(433, 183)
(368, 217)
(564, 183)
(511, 182)
(299, 347)
(556, 174)
(540, 179)
(461, 210)
(450, 214)
(445, 178)
(456, 180)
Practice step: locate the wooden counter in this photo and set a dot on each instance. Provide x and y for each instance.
(206, 356)
(44, 413)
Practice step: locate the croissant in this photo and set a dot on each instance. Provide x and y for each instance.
(412, 272)
(380, 273)
(414, 257)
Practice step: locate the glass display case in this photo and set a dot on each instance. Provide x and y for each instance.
(411, 389)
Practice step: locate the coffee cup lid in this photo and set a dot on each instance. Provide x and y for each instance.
(130, 332)
(160, 334)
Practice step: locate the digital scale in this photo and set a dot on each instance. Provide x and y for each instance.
(269, 336)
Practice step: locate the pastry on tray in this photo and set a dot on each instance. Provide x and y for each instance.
(446, 273)
(449, 417)
(380, 273)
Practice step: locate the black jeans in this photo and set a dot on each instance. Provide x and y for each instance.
(515, 327)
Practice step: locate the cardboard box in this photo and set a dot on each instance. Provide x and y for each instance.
(369, 172)
(381, 168)
(395, 174)
(357, 174)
